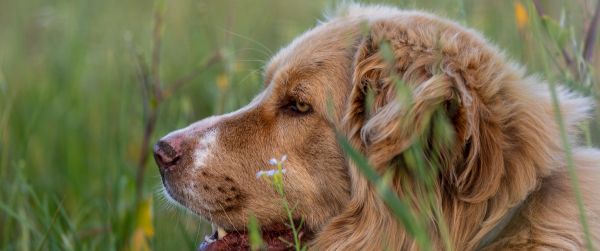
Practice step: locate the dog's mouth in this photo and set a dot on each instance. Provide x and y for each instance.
(274, 237)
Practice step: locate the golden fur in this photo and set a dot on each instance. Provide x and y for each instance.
(506, 149)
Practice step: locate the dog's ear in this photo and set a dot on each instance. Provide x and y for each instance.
(399, 88)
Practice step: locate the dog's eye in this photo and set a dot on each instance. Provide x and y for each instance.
(299, 107)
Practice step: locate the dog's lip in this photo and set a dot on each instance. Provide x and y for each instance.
(173, 194)
(278, 236)
(171, 168)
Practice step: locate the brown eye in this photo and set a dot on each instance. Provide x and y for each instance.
(300, 107)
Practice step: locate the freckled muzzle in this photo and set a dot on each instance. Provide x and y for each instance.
(179, 155)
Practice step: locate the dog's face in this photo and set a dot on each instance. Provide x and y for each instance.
(210, 167)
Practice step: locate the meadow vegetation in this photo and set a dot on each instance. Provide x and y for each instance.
(87, 86)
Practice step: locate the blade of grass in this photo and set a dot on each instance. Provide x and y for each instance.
(571, 165)
(256, 241)
(47, 232)
(396, 205)
(564, 139)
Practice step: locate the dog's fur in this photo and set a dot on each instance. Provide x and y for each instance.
(506, 152)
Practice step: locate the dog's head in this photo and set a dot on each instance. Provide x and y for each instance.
(322, 82)
(211, 166)
(313, 87)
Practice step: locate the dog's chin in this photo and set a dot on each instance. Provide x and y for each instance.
(174, 200)
(278, 236)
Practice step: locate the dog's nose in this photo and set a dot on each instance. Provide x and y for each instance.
(166, 156)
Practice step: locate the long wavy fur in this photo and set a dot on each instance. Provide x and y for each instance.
(506, 150)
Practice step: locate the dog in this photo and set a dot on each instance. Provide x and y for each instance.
(502, 181)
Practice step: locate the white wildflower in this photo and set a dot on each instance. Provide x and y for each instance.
(275, 162)
(268, 173)
(272, 172)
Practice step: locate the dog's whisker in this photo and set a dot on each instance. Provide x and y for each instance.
(251, 60)
(247, 76)
(250, 49)
(266, 49)
(228, 219)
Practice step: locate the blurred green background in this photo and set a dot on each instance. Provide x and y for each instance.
(71, 102)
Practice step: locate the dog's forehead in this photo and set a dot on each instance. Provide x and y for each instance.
(315, 48)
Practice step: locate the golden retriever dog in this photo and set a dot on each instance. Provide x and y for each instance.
(502, 182)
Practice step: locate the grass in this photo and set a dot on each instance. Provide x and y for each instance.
(72, 113)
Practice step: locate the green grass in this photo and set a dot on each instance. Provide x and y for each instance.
(71, 109)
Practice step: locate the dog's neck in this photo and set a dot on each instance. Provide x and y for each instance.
(469, 226)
